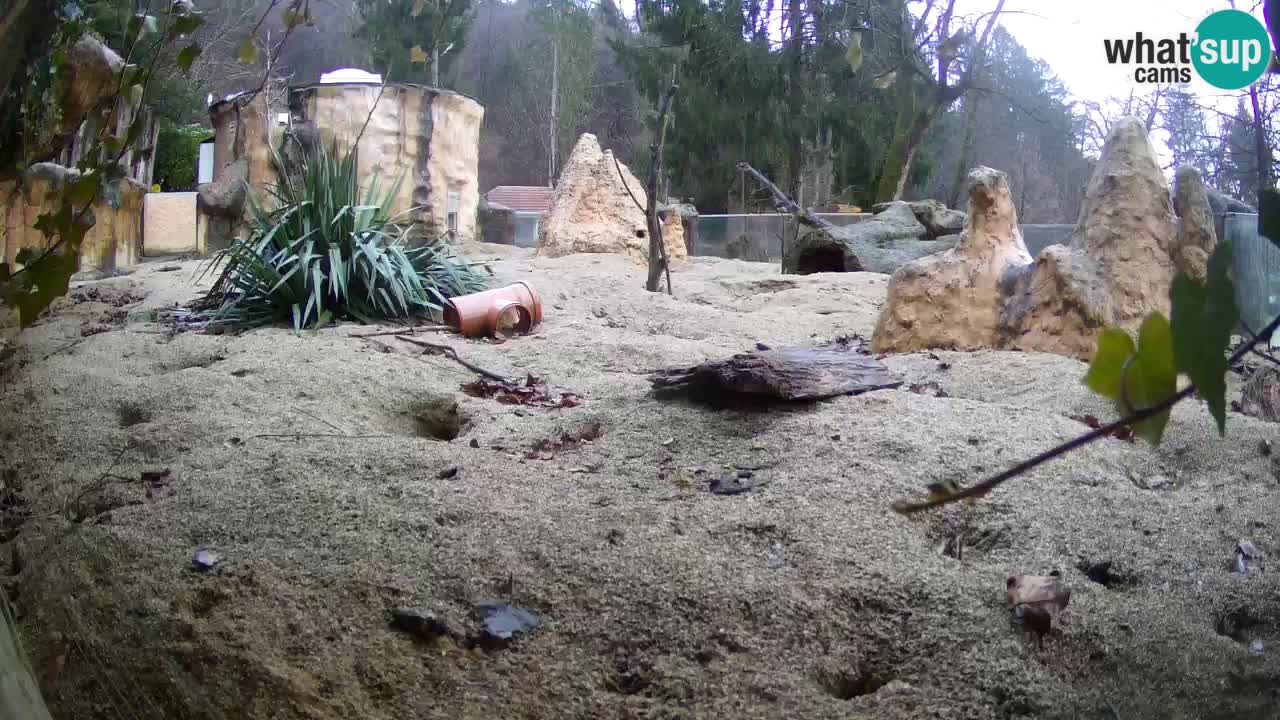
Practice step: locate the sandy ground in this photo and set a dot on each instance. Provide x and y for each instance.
(806, 598)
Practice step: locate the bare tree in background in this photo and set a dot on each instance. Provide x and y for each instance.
(925, 89)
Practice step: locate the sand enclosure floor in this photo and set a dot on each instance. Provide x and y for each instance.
(805, 598)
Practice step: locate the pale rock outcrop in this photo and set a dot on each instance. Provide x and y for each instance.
(882, 244)
(672, 229)
(954, 299)
(593, 212)
(1197, 237)
(986, 293)
(1116, 270)
(938, 220)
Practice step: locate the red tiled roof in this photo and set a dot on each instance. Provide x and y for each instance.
(522, 198)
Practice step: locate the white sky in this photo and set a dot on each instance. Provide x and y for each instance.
(1068, 35)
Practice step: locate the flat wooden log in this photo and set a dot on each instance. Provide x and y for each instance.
(791, 373)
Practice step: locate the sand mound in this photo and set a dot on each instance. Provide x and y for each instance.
(805, 598)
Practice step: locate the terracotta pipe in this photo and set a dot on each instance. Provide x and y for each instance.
(501, 312)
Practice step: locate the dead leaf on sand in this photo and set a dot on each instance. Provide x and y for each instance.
(546, 449)
(534, 391)
(1036, 600)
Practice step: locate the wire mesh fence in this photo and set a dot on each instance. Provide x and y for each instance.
(1255, 270)
(758, 237)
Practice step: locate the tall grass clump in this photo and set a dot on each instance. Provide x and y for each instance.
(325, 252)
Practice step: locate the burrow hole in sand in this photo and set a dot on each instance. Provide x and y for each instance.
(853, 682)
(130, 413)
(436, 418)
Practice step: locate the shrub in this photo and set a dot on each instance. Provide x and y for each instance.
(323, 253)
(177, 156)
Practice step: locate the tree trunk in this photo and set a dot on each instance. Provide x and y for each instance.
(966, 151)
(657, 250)
(795, 98)
(553, 130)
(904, 91)
(1261, 149)
(893, 183)
(26, 26)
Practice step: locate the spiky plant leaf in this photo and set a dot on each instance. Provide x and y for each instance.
(327, 250)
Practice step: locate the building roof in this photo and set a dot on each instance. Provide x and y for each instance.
(523, 198)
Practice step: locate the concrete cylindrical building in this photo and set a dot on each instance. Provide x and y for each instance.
(425, 137)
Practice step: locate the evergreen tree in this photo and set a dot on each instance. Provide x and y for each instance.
(414, 40)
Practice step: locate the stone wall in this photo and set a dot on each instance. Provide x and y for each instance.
(114, 241)
(427, 138)
(171, 225)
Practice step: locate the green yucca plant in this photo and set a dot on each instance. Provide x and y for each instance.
(327, 252)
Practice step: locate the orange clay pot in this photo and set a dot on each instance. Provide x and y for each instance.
(478, 314)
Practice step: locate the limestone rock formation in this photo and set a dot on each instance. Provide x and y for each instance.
(688, 215)
(954, 299)
(1117, 269)
(672, 229)
(1196, 234)
(987, 292)
(225, 196)
(881, 244)
(938, 220)
(593, 212)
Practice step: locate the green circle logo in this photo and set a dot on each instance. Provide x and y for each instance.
(1232, 49)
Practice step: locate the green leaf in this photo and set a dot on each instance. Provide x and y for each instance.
(188, 55)
(135, 129)
(1115, 347)
(83, 190)
(188, 23)
(247, 53)
(1136, 377)
(53, 223)
(1203, 318)
(1269, 216)
(49, 279)
(136, 91)
(1152, 378)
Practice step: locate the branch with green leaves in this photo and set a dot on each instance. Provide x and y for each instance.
(44, 274)
(1142, 378)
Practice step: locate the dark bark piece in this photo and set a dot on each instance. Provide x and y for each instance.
(792, 373)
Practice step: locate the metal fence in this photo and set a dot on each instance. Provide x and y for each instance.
(1255, 270)
(761, 236)
(527, 229)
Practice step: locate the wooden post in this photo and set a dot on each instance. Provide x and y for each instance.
(657, 249)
